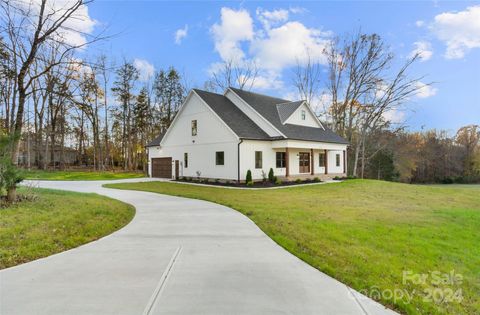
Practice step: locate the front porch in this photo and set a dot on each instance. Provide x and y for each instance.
(309, 163)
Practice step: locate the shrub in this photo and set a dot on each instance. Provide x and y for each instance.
(10, 175)
(217, 181)
(205, 181)
(227, 182)
(250, 183)
(271, 176)
(298, 180)
(249, 176)
(337, 178)
(447, 180)
(316, 180)
(264, 177)
(278, 181)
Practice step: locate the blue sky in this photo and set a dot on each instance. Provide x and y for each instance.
(447, 34)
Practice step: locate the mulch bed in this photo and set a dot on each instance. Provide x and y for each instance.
(260, 184)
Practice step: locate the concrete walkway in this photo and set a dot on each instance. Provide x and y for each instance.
(177, 256)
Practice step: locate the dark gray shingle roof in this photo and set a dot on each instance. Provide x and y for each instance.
(285, 110)
(243, 126)
(156, 142)
(275, 110)
(267, 107)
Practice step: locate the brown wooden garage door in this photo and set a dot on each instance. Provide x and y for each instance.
(162, 167)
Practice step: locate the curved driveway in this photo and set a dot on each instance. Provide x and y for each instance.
(177, 256)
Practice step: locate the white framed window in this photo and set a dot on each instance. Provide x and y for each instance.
(194, 127)
(258, 159)
(219, 158)
(303, 115)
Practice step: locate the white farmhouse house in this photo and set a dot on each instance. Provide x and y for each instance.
(223, 136)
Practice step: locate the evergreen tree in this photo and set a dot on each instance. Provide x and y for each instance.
(123, 89)
(169, 95)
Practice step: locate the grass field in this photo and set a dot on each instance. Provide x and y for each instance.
(368, 233)
(79, 175)
(56, 221)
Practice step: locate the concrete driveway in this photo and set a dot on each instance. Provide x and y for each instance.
(177, 256)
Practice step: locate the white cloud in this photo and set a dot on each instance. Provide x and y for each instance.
(284, 45)
(423, 49)
(297, 10)
(145, 68)
(272, 18)
(270, 41)
(425, 91)
(460, 31)
(75, 30)
(420, 23)
(180, 34)
(394, 116)
(267, 80)
(235, 27)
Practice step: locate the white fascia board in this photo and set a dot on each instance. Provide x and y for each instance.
(278, 144)
(313, 114)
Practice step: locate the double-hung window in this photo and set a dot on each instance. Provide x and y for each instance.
(337, 157)
(258, 159)
(321, 159)
(194, 127)
(280, 157)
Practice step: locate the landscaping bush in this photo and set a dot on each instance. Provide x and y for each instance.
(277, 181)
(271, 176)
(10, 175)
(316, 180)
(250, 183)
(447, 180)
(298, 180)
(249, 176)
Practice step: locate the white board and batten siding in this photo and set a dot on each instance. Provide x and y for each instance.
(309, 121)
(212, 136)
(269, 149)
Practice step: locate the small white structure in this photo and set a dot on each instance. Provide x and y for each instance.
(223, 136)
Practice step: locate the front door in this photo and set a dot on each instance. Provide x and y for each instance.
(304, 162)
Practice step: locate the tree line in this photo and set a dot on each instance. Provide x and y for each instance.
(59, 110)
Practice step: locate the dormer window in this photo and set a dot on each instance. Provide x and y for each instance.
(194, 127)
(304, 114)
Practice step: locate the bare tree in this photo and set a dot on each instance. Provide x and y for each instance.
(307, 80)
(241, 75)
(363, 88)
(30, 27)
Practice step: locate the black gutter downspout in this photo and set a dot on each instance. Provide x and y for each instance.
(238, 161)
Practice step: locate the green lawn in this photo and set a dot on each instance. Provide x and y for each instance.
(367, 233)
(56, 221)
(80, 175)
